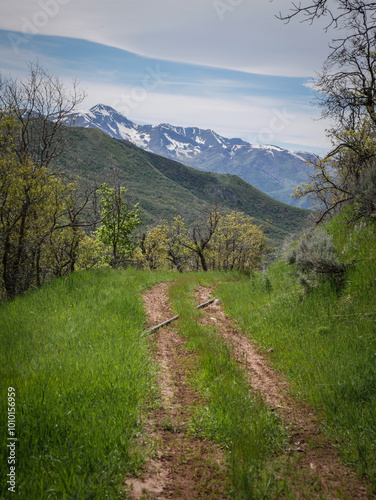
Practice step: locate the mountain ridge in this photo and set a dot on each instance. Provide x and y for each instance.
(272, 169)
(165, 188)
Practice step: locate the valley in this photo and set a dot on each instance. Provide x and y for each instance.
(165, 188)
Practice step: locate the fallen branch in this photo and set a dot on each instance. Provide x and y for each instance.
(148, 332)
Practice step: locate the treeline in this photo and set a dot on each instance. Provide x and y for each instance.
(51, 225)
(230, 241)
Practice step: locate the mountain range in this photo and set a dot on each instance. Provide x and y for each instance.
(165, 188)
(273, 170)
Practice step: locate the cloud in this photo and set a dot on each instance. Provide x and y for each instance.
(311, 85)
(235, 69)
(240, 35)
(269, 121)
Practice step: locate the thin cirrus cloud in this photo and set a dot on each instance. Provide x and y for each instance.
(220, 64)
(245, 37)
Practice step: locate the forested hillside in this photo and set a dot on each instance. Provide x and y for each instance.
(76, 198)
(273, 170)
(165, 188)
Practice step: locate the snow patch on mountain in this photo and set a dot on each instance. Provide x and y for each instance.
(272, 169)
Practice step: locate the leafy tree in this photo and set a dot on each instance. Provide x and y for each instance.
(223, 242)
(364, 193)
(152, 248)
(118, 222)
(237, 243)
(37, 239)
(41, 213)
(91, 253)
(345, 176)
(178, 252)
(165, 246)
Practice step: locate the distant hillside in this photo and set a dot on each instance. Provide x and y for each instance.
(166, 188)
(273, 170)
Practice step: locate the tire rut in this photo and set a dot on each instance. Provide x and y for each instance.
(184, 466)
(315, 460)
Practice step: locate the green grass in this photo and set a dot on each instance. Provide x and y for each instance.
(74, 352)
(82, 374)
(324, 340)
(230, 415)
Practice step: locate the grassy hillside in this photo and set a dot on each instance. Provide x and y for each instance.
(81, 380)
(166, 188)
(324, 340)
(84, 385)
(84, 379)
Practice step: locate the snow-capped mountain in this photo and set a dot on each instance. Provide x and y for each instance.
(272, 169)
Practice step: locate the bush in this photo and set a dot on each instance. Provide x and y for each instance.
(365, 195)
(316, 258)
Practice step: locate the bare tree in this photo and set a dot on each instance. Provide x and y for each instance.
(346, 91)
(41, 104)
(336, 12)
(347, 85)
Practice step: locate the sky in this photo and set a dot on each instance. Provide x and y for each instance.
(227, 65)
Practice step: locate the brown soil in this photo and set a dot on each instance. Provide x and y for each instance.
(189, 468)
(318, 471)
(184, 466)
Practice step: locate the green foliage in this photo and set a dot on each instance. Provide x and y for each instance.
(92, 254)
(118, 222)
(165, 188)
(37, 236)
(73, 351)
(228, 242)
(41, 220)
(238, 243)
(346, 176)
(315, 257)
(364, 193)
(323, 341)
(164, 246)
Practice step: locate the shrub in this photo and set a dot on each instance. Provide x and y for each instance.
(365, 195)
(315, 258)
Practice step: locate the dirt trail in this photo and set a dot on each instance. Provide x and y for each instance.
(315, 459)
(189, 468)
(184, 467)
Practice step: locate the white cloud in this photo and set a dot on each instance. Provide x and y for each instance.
(310, 85)
(244, 37)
